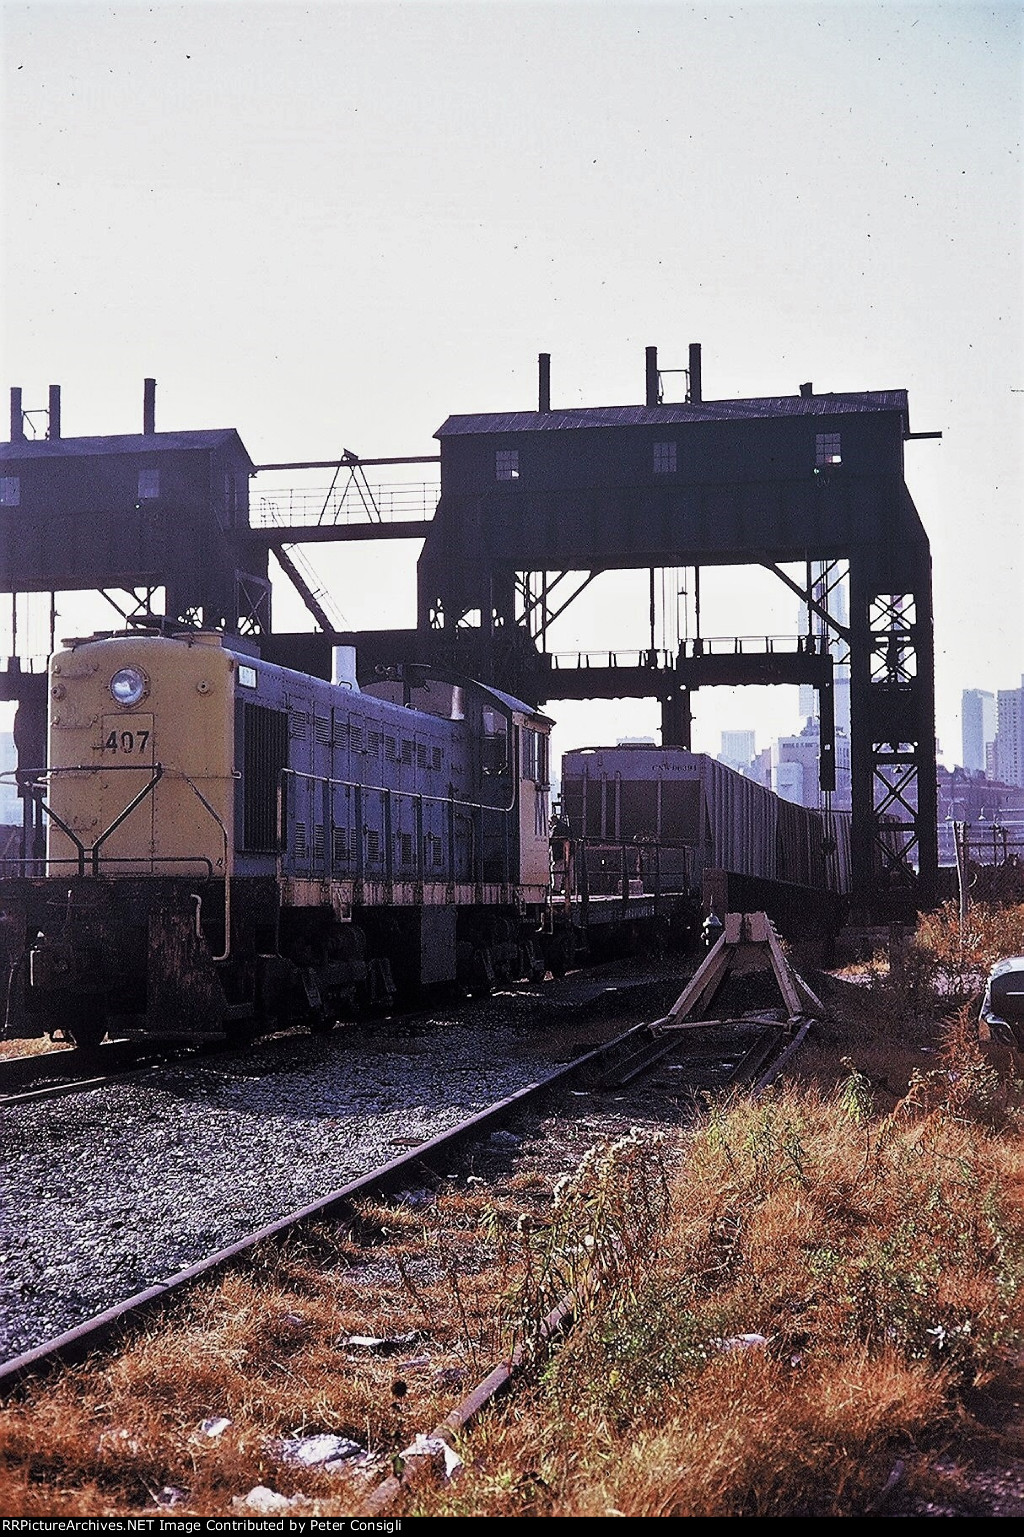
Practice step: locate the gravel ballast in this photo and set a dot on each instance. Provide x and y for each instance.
(115, 1189)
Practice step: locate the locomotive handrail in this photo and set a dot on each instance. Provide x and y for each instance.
(358, 784)
(227, 865)
(418, 797)
(147, 789)
(66, 830)
(122, 859)
(93, 854)
(91, 851)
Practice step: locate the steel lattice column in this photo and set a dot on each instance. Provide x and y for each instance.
(894, 836)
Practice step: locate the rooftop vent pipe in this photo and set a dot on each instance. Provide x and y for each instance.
(696, 395)
(17, 419)
(544, 381)
(652, 376)
(54, 431)
(149, 406)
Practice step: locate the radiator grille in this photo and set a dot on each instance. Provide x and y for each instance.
(265, 754)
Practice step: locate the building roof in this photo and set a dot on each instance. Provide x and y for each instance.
(124, 443)
(764, 408)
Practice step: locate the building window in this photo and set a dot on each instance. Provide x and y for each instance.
(506, 464)
(149, 485)
(827, 449)
(10, 491)
(535, 756)
(664, 458)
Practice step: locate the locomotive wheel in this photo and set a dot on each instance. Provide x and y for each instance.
(533, 963)
(322, 1024)
(87, 1033)
(562, 953)
(240, 1032)
(483, 981)
(67, 1016)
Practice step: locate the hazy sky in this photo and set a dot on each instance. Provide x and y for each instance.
(332, 225)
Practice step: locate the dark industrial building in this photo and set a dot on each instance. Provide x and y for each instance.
(536, 502)
(137, 512)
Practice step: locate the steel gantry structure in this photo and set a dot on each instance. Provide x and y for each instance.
(533, 506)
(535, 503)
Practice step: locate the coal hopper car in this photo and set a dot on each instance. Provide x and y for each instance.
(667, 820)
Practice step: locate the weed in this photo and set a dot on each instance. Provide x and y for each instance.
(964, 953)
(605, 1229)
(827, 1280)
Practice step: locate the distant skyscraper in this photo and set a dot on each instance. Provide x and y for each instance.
(738, 749)
(1010, 736)
(788, 781)
(978, 721)
(795, 769)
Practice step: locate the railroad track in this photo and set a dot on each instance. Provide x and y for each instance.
(36, 1077)
(53, 1074)
(743, 1051)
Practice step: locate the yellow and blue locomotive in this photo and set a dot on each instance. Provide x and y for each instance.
(230, 843)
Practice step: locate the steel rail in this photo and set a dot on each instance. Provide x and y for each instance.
(150, 1054)
(20, 1076)
(562, 1317)
(59, 1090)
(419, 1460)
(76, 1343)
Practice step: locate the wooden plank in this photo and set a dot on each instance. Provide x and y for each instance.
(782, 974)
(756, 928)
(708, 974)
(746, 929)
(811, 997)
(698, 1024)
(713, 984)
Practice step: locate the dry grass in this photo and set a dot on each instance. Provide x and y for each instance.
(828, 1284)
(267, 1349)
(945, 963)
(874, 1264)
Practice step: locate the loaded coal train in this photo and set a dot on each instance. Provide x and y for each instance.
(230, 844)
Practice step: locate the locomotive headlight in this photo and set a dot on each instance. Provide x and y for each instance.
(129, 686)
